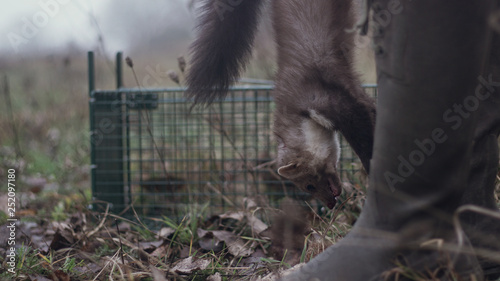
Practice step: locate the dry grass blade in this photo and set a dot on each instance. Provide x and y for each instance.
(484, 253)
(101, 224)
(111, 260)
(226, 199)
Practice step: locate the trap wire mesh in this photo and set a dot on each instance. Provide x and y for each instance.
(152, 152)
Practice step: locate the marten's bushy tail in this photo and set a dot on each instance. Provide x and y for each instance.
(226, 30)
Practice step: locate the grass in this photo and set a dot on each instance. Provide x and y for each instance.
(101, 246)
(50, 117)
(94, 242)
(50, 110)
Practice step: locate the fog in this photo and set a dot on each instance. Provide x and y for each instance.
(30, 28)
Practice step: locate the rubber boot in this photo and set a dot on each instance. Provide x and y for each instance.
(429, 56)
(484, 231)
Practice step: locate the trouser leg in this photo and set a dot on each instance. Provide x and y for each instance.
(429, 56)
(484, 231)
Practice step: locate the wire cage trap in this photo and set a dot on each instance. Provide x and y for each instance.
(152, 152)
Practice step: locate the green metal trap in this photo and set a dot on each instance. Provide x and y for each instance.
(151, 152)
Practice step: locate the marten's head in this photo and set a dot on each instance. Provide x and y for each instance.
(308, 153)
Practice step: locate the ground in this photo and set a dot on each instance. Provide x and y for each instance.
(45, 152)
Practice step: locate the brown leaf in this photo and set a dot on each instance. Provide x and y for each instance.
(215, 277)
(78, 221)
(239, 216)
(124, 226)
(38, 278)
(250, 203)
(143, 255)
(62, 239)
(35, 184)
(91, 246)
(184, 252)
(91, 267)
(254, 259)
(188, 265)
(162, 251)
(60, 275)
(26, 213)
(150, 245)
(165, 232)
(256, 224)
(209, 242)
(236, 246)
(158, 275)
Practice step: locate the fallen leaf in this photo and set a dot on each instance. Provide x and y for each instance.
(184, 252)
(62, 239)
(236, 246)
(188, 265)
(38, 278)
(239, 216)
(60, 275)
(124, 226)
(26, 213)
(78, 221)
(165, 232)
(35, 184)
(91, 267)
(215, 277)
(158, 275)
(143, 255)
(257, 225)
(250, 203)
(162, 251)
(254, 260)
(209, 242)
(150, 246)
(61, 225)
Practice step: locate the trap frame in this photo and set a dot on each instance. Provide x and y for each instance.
(152, 151)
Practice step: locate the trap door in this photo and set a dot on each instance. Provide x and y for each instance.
(107, 157)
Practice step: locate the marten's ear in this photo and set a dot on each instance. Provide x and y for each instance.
(321, 120)
(289, 171)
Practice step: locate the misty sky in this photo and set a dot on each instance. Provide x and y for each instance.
(46, 26)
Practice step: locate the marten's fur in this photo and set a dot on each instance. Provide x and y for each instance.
(317, 92)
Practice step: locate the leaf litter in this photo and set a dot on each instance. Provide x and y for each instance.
(236, 245)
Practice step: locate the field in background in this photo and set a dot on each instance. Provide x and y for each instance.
(47, 142)
(50, 103)
(50, 108)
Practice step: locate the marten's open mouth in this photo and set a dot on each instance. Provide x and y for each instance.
(336, 191)
(331, 204)
(335, 188)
